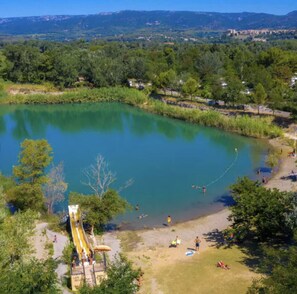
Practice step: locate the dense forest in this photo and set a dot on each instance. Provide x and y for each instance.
(261, 73)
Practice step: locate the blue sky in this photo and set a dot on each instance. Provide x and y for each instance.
(9, 8)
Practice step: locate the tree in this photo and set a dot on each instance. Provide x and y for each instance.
(55, 186)
(209, 64)
(276, 98)
(104, 204)
(273, 159)
(4, 212)
(122, 278)
(280, 267)
(98, 176)
(190, 87)
(3, 66)
(35, 156)
(262, 213)
(24, 63)
(260, 96)
(99, 210)
(30, 277)
(14, 237)
(233, 91)
(167, 80)
(18, 273)
(217, 91)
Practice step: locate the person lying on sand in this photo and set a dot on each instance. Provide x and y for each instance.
(222, 265)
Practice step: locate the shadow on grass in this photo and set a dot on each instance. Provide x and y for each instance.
(253, 255)
(252, 250)
(216, 237)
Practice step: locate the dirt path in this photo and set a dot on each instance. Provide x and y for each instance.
(39, 240)
(282, 179)
(41, 237)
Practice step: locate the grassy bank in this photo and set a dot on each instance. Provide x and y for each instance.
(258, 127)
(199, 274)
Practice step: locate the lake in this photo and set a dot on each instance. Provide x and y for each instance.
(164, 157)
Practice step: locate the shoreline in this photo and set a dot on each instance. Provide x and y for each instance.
(254, 127)
(206, 227)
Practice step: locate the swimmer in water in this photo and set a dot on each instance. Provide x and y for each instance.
(137, 207)
(204, 189)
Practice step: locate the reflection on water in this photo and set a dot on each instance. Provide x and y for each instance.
(165, 157)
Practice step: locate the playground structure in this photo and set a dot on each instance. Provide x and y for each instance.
(84, 268)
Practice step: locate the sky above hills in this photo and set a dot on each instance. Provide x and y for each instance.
(11, 8)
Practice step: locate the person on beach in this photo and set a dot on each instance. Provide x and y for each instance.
(55, 239)
(168, 220)
(178, 241)
(222, 265)
(197, 243)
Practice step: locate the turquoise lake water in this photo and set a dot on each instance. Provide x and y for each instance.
(164, 157)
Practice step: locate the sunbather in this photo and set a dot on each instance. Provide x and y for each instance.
(222, 265)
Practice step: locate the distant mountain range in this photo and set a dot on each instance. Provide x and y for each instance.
(140, 22)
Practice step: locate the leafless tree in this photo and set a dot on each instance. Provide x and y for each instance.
(99, 177)
(55, 187)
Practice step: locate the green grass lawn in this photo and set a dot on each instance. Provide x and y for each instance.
(199, 274)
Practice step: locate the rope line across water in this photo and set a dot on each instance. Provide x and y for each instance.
(224, 173)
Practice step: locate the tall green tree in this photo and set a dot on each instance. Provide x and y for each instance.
(34, 157)
(260, 96)
(262, 213)
(276, 98)
(233, 91)
(34, 276)
(167, 80)
(14, 237)
(99, 210)
(190, 87)
(280, 267)
(4, 211)
(3, 66)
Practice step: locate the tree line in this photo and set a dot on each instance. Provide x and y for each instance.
(235, 73)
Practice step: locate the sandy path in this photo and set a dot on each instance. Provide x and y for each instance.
(281, 179)
(111, 239)
(39, 240)
(41, 237)
(59, 246)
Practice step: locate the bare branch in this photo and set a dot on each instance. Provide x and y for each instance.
(55, 187)
(127, 184)
(98, 176)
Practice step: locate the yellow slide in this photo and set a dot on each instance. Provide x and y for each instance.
(78, 234)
